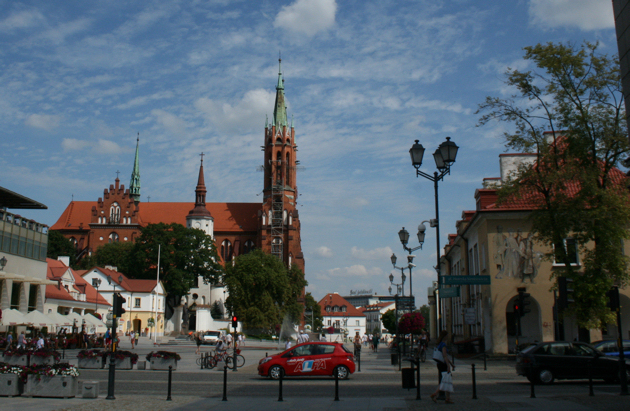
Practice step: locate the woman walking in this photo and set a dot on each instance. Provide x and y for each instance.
(444, 366)
(198, 341)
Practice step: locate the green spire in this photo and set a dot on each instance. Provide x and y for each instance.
(280, 110)
(134, 185)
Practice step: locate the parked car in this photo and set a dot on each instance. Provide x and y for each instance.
(211, 337)
(544, 362)
(307, 359)
(609, 347)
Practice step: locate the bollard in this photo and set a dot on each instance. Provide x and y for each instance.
(532, 394)
(485, 365)
(224, 383)
(280, 394)
(170, 376)
(474, 383)
(63, 355)
(336, 385)
(418, 386)
(590, 380)
(359, 360)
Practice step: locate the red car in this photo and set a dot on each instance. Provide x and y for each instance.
(311, 358)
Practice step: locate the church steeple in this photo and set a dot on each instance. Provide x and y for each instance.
(200, 209)
(280, 109)
(134, 185)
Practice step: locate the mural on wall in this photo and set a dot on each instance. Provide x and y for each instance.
(515, 256)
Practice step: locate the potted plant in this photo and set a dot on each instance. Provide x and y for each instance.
(56, 380)
(161, 360)
(92, 359)
(11, 380)
(16, 356)
(124, 360)
(44, 356)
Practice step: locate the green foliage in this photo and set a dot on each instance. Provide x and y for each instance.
(116, 254)
(311, 305)
(216, 311)
(185, 254)
(576, 94)
(58, 245)
(262, 291)
(425, 310)
(389, 321)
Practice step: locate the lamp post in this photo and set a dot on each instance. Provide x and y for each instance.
(444, 158)
(3, 263)
(399, 287)
(96, 282)
(403, 235)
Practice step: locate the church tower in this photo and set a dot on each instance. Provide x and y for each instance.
(279, 217)
(134, 185)
(199, 217)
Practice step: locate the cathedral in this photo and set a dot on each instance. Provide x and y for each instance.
(237, 228)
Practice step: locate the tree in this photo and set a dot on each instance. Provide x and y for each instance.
(262, 291)
(59, 246)
(575, 94)
(310, 305)
(389, 321)
(117, 254)
(425, 310)
(185, 255)
(411, 323)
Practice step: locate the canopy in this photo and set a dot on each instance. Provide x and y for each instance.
(38, 319)
(95, 322)
(13, 317)
(75, 316)
(61, 319)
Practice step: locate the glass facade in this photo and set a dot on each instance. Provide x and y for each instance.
(23, 237)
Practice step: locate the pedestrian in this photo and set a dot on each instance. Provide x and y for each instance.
(198, 341)
(9, 340)
(357, 345)
(40, 342)
(108, 339)
(375, 339)
(21, 342)
(240, 340)
(287, 344)
(228, 338)
(137, 337)
(444, 366)
(132, 338)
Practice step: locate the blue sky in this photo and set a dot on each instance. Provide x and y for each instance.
(363, 80)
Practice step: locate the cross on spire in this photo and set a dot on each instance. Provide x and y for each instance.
(202, 154)
(117, 172)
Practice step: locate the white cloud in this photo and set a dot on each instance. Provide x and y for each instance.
(171, 122)
(583, 14)
(44, 121)
(243, 116)
(72, 144)
(323, 252)
(21, 20)
(307, 16)
(107, 147)
(375, 254)
(356, 270)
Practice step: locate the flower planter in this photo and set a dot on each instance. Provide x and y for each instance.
(35, 360)
(92, 363)
(10, 385)
(121, 364)
(162, 364)
(59, 386)
(17, 360)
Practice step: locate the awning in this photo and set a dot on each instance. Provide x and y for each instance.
(39, 319)
(62, 320)
(13, 317)
(10, 199)
(90, 320)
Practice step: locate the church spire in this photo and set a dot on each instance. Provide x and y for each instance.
(280, 109)
(134, 185)
(200, 195)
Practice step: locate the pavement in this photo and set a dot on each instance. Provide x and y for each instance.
(497, 389)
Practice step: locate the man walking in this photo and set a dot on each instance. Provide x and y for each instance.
(21, 342)
(132, 338)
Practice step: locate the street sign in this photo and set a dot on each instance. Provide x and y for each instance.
(466, 279)
(470, 316)
(449, 292)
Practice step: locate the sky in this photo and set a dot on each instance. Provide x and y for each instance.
(363, 79)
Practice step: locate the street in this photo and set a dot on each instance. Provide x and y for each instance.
(376, 387)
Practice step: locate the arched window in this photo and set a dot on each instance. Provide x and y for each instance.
(264, 219)
(113, 238)
(288, 170)
(249, 246)
(114, 214)
(284, 217)
(279, 168)
(290, 219)
(290, 260)
(73, 241)
(226, 250)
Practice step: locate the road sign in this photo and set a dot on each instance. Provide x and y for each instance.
(470, 316)
(449, 292)
(466, 279)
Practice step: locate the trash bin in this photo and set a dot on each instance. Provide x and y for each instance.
(394, 358)
(408, 379)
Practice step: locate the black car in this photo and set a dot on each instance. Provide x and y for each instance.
(544, 362)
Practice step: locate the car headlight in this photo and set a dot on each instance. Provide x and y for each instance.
(264, 360)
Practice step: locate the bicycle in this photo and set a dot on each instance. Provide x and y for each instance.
(212, 360)
(240, 360)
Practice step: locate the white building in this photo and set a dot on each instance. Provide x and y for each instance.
(341, 317)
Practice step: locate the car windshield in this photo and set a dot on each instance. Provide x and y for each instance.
(529, 349)
(583, 350)
(213, 333)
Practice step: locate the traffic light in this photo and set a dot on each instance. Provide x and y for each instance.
(613, 298)
(118, 305)
(523, 302)
(234, 322)
(565, 293)
(517, 309)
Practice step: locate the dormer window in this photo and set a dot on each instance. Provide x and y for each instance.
(327, 308)
(343, 309)
(336, 309)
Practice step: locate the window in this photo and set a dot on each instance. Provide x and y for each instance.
(571, 248)
(328, 310)
(249, 246)
(357, 323)
(137, 303)
(113, 238)
(343, 309)
(226, 250)
(114, 214)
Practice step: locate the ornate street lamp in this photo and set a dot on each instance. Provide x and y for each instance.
(96, 282)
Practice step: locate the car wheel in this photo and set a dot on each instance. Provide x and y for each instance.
(545, 376)
(275, 372)
(342, 372)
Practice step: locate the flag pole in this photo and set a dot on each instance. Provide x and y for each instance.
(157, 296)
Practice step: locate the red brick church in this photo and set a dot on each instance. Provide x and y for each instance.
(273, 225)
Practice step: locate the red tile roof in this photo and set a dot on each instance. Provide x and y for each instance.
(227, 216)
(55, 271)
(129, 284)
(332, 300)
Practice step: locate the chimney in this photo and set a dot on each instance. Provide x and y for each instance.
(65, 260)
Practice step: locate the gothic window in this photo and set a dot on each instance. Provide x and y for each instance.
(114, 214)
(113, 238)
(284, 217)
(290, 219)
(279, 168)
(290, 260)
(73, 241)
(264, 219)
(288, 169)
(226, 250)
(249, 246)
